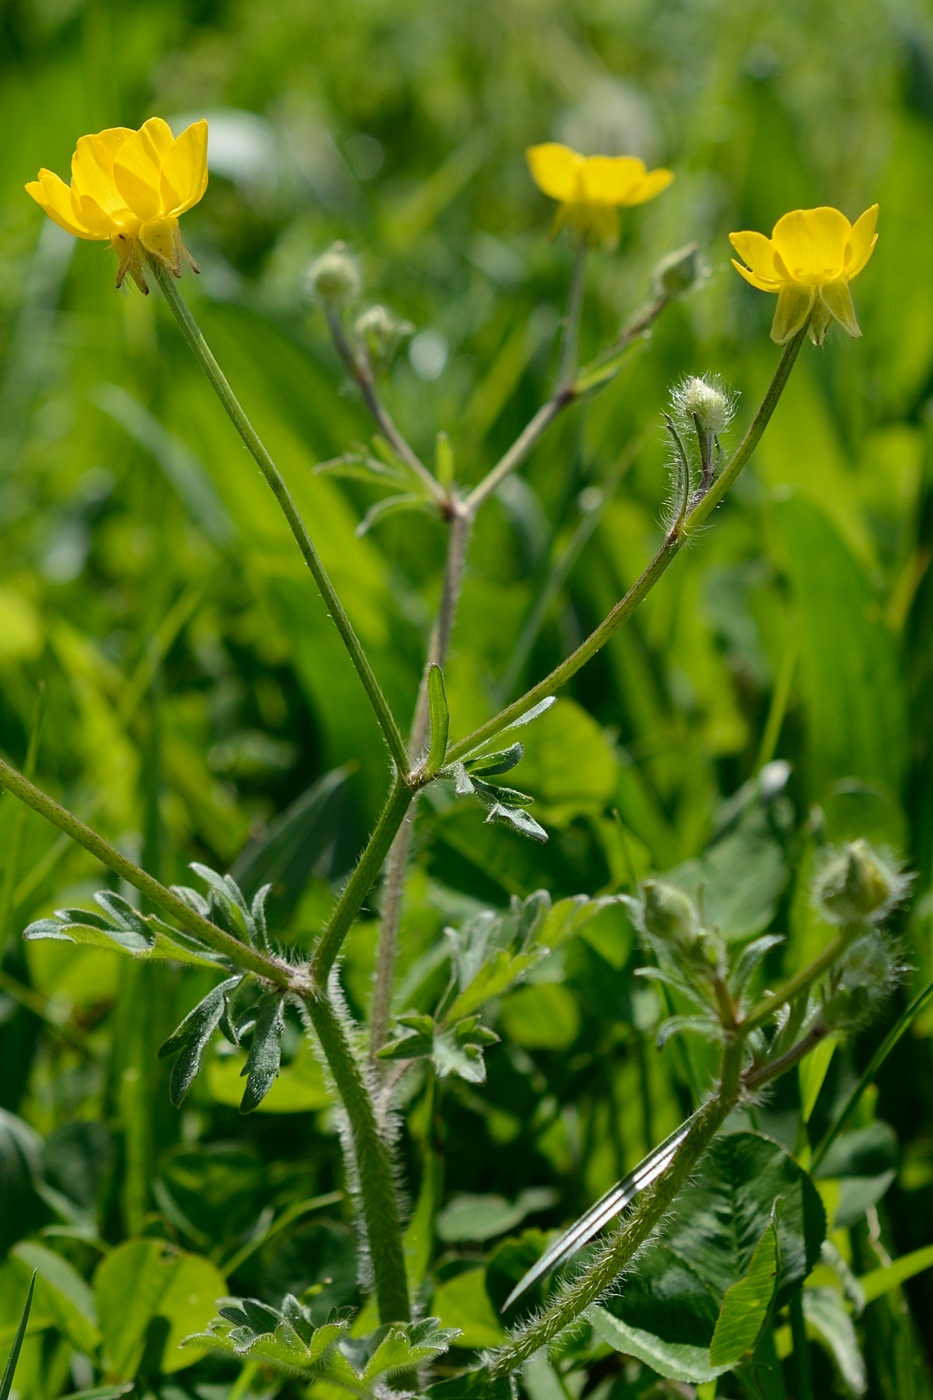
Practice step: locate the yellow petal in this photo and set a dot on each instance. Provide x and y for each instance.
(812, 244)
(837, 299)
(762, 283)
(653, 184)
(137, 169)
(758, 252)
(555, 169)
(159, 133)
(610, 179)
(52, 194)
(184, 169)
(861, 243)
(92, 168)
(793, 307)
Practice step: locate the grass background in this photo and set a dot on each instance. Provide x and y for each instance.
(192, 684)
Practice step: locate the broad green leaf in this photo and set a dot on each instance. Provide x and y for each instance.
(64, 1295)
(746, 1305)
(463, 1302)
(722, 1214)
(440, 721)
(811, 1073)
(143, 1280)
(9, 1370)
(677, 1361)
(485, 1217)
(545, 1016)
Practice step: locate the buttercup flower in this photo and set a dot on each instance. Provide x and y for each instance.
(591, 189)
(128, 188)
(809, 261)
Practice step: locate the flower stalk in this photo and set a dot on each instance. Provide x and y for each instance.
(202, 353)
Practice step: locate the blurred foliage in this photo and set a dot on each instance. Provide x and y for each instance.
(171, 669)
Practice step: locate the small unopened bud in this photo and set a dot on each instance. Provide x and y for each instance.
(857, 884)
(380, 332)
(676, 273)
(705, 403)
(864, 981)
(670, 915)
(334, 276)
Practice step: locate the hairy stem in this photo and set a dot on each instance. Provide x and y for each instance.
(360, 369)
(621, 1246)
(374, 1165)
(801, 981)
(360, 882)
(256, 448)
(461, 524)
(671, 546)
(773, 1069)
(240, 954)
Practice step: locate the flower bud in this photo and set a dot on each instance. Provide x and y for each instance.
(334, 276)
(380, 332)
(705, 403)
(676, 273)
(864, 981)
(670, 915)
(857, 884)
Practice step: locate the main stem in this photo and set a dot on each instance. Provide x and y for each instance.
(623, 1244)
(202, 353)
(674, 541)
(373, 1162)
(240, 954)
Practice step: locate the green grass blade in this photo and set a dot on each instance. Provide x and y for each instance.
(6, 1384)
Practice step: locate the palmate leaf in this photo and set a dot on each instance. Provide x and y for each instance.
(288, 1340)
(454, 1049)
(122, 928)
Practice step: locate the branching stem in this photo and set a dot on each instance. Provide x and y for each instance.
(673, 542)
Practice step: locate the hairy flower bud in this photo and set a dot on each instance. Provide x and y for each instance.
(704, 401)
(670, 915)
(864, 981)
(857, 884)
(676, 273)
(334, 276)
(380, 332)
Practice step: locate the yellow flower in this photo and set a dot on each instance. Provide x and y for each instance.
(809, 261)
(128, 188)
(591, 189)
